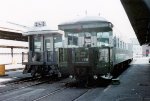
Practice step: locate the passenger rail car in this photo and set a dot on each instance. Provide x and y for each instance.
(43, 51)
(91, 49)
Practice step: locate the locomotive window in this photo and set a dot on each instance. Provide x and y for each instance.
(63, 54)
(120, 44)
(72, 39)
(57, 42)
(37, 44)
(81, 55)
(103, 38)
(47, 44)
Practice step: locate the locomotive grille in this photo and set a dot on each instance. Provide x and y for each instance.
(81, 71)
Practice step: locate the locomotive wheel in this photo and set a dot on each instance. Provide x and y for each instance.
(33, 72)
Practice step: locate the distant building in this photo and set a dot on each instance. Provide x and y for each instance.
(137, 49)
(146, 50)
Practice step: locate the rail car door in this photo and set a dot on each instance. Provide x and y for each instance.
(37, 55)
(87, 40)
(49, 48)
(105, 60)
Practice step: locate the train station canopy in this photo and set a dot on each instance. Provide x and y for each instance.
(138, 12)
(10, 32)
(12, 46)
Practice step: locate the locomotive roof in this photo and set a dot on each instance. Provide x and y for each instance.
(86, 22)
(86, 19)
(42, 30)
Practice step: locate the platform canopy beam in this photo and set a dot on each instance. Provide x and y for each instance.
(138, 12)
(12, 36)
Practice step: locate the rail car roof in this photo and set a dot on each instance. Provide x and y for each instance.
(86, 22)
(42, 30)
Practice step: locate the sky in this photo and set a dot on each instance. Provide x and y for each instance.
(54, 12)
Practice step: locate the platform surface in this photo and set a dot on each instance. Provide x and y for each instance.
(14, 67)
(13, 72)
(134, 84)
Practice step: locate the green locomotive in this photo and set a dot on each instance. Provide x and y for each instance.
(91, 49)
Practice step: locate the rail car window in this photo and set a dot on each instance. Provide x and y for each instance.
(47, 45)
(118, 43)
(103, 55)
(37, 44)
(87, 39)
(57, 42)
(103, 38)
(115, 42)
(123, 45)
(63, 54)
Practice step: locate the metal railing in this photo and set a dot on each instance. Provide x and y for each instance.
(47, 56)
(81, 55)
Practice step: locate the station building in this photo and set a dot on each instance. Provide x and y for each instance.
(137, 49)
(146, 50)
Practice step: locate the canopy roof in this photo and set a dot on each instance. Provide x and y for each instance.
(11, 32)
(12, 36)
(138, 12)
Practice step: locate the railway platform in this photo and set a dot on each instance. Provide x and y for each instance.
(14, 67)
(13, 72)
(134, 84)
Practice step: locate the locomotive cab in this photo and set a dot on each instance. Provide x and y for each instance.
(43, 46)
(87, 50)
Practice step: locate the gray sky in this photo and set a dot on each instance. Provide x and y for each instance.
(26, 12)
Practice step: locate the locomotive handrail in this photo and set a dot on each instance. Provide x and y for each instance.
(32, 56)
(23, 57)
(81, 55)
(45, 57)
(50, 56)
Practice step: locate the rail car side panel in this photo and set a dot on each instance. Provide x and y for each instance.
(121, 55)
(65, 61)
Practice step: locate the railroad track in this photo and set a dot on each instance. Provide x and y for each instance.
(54, 92)
(57, 91)
(22, 84)
(51, 93)
(18, 80)
(75, 99)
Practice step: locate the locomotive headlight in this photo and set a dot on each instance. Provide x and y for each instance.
(70, 76)
(95, 77)
(59, 74)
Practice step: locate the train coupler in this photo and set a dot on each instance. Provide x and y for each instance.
(59, 75)
(107, 76)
